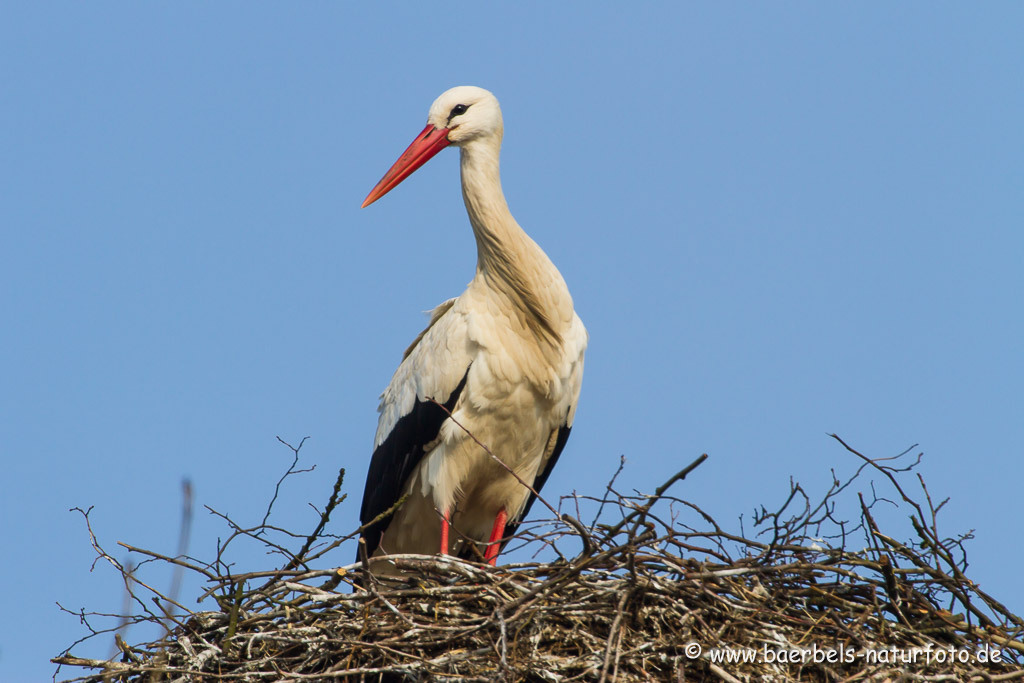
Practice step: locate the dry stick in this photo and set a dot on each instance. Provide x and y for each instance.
(608, 490)
(358, 532)
(939, 576)
(291, 470)
(369, 580)
(865, 511)
(121, 646)
(171, 560)
(253, 533)
(496, 458)
(658, 493)
(884, 470)
(614, 636)
(332, 502)
(885, 565)
(126, 609)
(722, 673)
(587, 542)
(952, 584)
(95, 542)
(502, 644)
(127, 577)
(184, 533)
(279, 574)
(236, 605)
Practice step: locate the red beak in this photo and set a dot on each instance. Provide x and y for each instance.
(427, 144)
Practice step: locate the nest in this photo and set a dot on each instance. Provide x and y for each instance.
(654, 589)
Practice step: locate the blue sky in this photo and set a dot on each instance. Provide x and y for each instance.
(776, 222)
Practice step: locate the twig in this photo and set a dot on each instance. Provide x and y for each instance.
(658, 493)
(291, 470)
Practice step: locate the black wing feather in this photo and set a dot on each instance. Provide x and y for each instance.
(395, 460)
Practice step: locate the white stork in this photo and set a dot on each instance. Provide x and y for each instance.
(504, 359)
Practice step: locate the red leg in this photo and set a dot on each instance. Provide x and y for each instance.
(444, 533)
(494, 545)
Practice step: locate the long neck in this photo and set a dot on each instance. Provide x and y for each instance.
(507, 259)
(498, 237)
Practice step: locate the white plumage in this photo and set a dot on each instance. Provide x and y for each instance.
(505, 357)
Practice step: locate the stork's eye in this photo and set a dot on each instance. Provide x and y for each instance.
(458, 110)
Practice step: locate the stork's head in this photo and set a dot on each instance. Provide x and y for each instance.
(467, 113)
(458, 117)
